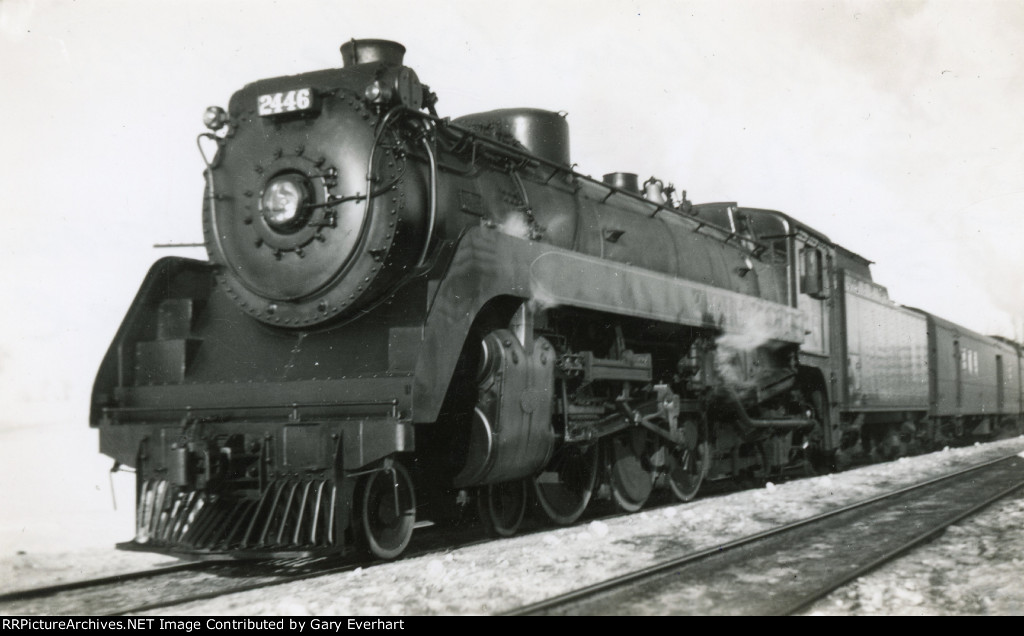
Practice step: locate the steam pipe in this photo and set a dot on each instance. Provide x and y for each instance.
(728, 403)
(432, 212)
(684, 210)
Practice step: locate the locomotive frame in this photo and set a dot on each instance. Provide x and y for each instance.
(403, 314)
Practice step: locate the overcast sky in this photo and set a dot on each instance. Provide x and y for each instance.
(893, 127)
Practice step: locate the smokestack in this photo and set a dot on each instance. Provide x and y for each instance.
(365, 51)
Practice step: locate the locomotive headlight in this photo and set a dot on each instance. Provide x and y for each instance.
(284, 201)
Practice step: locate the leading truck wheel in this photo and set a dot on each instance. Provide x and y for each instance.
(387, 511)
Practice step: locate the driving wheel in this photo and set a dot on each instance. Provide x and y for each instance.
(563, 489)
(502, 507)
(630, 478)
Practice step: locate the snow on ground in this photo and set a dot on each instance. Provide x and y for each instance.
(58, 521)
(974, 569)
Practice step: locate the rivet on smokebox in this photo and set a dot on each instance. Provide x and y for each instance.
(271, 309)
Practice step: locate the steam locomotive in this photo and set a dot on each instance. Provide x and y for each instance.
(404, 316)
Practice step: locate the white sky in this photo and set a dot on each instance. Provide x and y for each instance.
(893, 127)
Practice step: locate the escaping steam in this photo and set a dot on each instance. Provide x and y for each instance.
(735, 352)
(518, 226)
(540, 300)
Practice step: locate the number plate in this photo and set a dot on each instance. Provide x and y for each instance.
(294, 101)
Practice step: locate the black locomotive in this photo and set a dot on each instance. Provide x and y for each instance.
(403, 315)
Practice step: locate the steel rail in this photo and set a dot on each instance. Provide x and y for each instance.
(891, 555)
(35, 593)
(205, 596)
(48, 590)
(638, 576)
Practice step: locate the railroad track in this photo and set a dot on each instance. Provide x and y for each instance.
(785, 570)
(163, 587)
(159, 588)
(11, 599)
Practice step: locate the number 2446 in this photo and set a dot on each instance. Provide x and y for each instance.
(274, 103)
